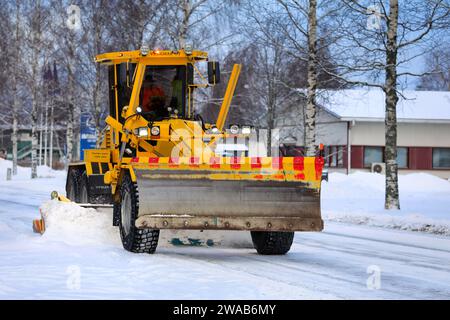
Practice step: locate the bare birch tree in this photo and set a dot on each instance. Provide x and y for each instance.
(15, 83)
(193, 21)
(67, 33)
(311, 107)
(377, 39)
(266, 45)
(98, 34)
(139, 22)
(438, 66)
(36, 14)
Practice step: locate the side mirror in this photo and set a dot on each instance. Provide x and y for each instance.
(213, 72)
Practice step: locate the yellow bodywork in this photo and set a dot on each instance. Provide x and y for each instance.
(184, 150)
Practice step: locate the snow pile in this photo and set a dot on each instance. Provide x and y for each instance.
(24, 173)
(73, 224)
(359, 198)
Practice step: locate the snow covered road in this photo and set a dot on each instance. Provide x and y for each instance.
(332, 264)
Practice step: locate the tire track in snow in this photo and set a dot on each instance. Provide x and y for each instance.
(304, 292)
(317, 282)
(384, 241)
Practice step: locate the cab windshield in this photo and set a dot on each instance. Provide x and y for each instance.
(163, 91)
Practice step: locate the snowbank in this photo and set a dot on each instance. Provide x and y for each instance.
(76, 225)
(24, 173)
(359, 198)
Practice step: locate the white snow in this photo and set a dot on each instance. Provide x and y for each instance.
(369, 105)
(73, 224)
(80, 255)
(359, 198)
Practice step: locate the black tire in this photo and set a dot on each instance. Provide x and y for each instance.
(73, 184)
(272, 242)
(101, 199)
(85, 193)
(134, 239)
(116, 214)
(84, 189)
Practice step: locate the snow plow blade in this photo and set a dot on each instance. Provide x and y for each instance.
(39, 225)
(271, 196)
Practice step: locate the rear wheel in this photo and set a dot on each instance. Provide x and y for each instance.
(272, 242)
(134, 239)
(86, 195)
(73, 184)
(84, 189)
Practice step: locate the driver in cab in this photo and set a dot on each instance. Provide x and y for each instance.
(153, 97)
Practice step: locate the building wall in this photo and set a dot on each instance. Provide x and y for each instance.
(419, 138)
(409, 134)
(329, 129)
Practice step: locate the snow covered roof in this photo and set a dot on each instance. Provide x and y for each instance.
(369, 105)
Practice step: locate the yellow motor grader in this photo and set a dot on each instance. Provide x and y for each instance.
(156, 160)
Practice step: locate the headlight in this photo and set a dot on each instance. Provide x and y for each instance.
(155, 131)
(246, 130)
(234, 129)
(142, 132)
(138, 110)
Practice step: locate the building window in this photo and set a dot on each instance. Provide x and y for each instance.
(402, 157)
(340, 157)
(441, 158)
(334, 156)
(372, 155)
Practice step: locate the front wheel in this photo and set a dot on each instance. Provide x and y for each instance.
(272, 242)
(133, 239)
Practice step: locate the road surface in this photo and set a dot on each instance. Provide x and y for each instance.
(343, 262)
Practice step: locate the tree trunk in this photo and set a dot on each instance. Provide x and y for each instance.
(96, 94)
(35, 80)
(34, 123)
(14, 131)
(269, 141)
(390, 88)
(97, 84)
(72, 110)
(184, 24)
(40, 138)
(52, 101)
(310, 112)
(15, 106)
(69, 137)
(45, 130)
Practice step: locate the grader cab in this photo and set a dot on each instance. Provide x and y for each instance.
(156, 160)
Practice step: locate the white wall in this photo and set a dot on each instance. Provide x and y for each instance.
(409, 134)
(329, 130)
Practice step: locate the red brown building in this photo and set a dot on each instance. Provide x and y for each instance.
(351, 126)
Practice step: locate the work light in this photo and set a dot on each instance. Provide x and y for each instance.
(246, 130)
(144, 50)
(188, 49)
(215, 130)
(142, 132)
